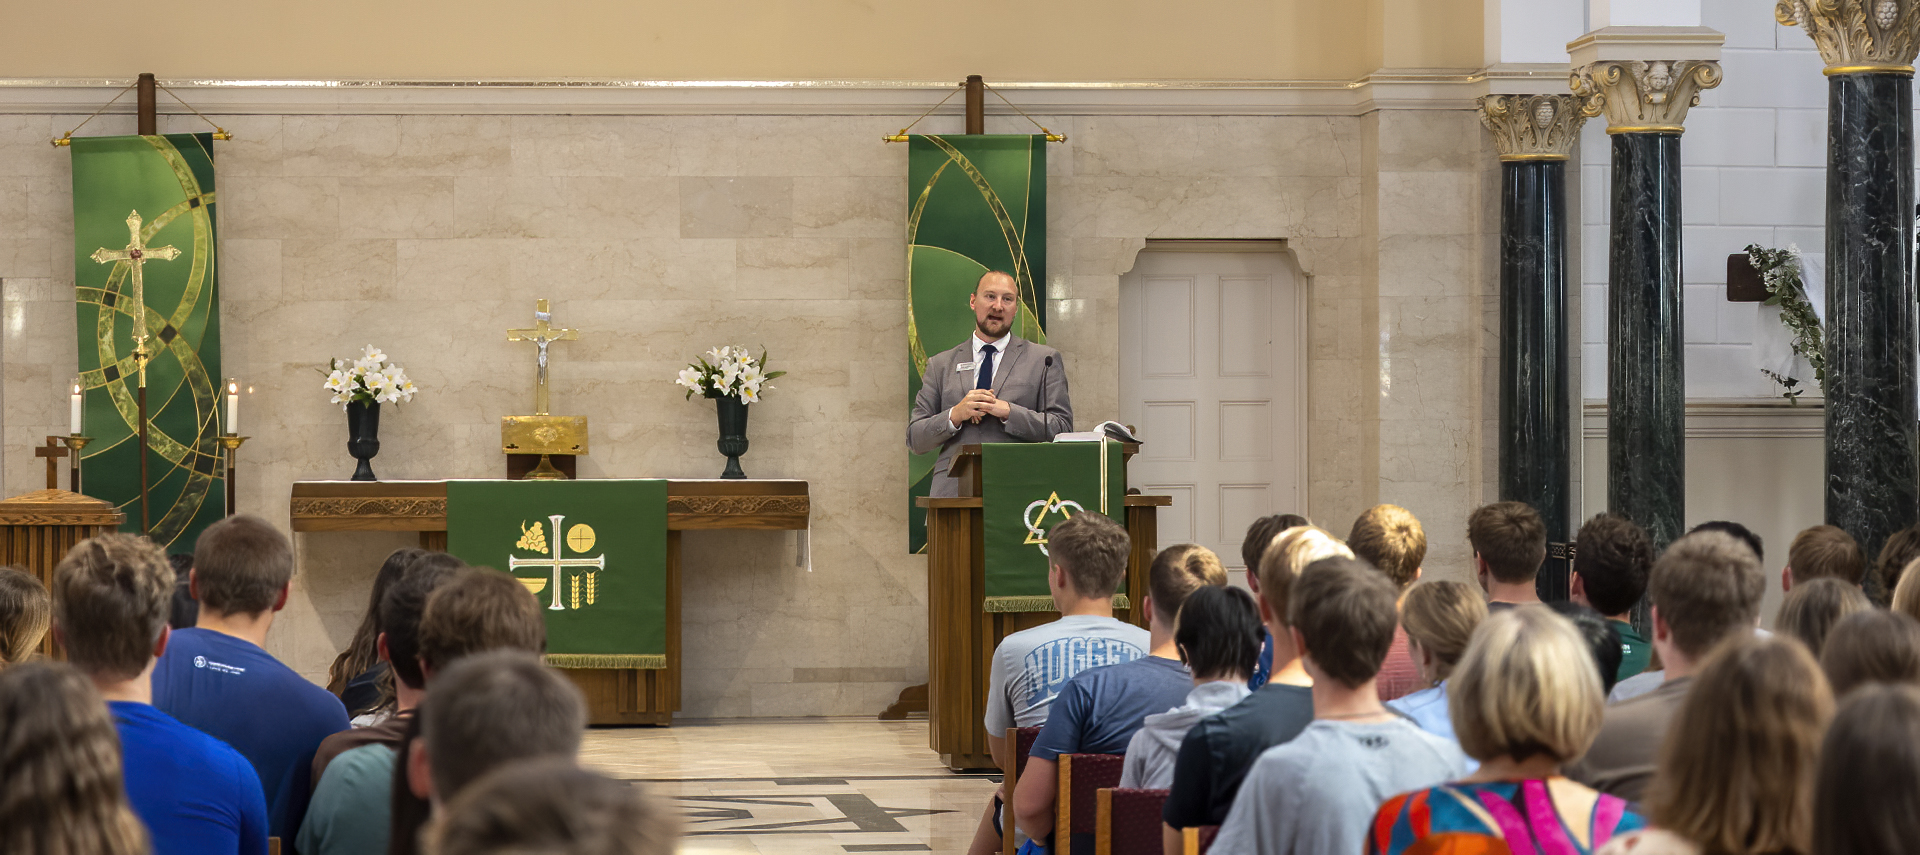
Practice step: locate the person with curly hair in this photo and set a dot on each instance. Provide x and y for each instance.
(60, 790)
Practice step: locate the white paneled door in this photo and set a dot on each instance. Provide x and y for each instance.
(1211, 368)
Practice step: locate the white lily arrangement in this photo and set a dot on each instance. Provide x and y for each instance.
(728, 372)
(371, 379)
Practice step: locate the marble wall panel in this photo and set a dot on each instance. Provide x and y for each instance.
(662, 236)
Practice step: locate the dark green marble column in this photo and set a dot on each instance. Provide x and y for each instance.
(1870, 323)
(1535, 416)
(1646, 373)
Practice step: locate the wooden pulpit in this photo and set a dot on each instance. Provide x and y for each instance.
(37, 529)
(961, 634)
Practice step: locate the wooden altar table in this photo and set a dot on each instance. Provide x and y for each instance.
(614, 696)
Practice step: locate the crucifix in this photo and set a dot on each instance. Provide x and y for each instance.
(135, 255)
(542, 334)
(52, 451)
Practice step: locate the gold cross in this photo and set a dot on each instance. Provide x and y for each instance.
(136, 255)
(542, 334)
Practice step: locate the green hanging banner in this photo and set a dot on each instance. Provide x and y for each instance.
(1027, 489)
(975, 203)
(143, 220)
(594, 553)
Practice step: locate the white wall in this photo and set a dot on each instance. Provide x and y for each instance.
(1753, 171)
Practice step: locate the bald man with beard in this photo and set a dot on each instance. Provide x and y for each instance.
(993, 387)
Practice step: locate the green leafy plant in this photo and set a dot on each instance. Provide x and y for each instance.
(1780, 275)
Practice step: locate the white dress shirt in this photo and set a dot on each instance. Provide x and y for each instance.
(999, 355)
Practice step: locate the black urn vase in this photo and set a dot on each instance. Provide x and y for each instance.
(733, 433)
(363, 437)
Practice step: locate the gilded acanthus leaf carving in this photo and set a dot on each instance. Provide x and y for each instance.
(1646, 96)
(1861, 35)
(1535, 127)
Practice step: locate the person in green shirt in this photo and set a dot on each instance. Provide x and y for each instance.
(1611, 561)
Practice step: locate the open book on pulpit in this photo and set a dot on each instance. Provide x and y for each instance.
(1107, 430)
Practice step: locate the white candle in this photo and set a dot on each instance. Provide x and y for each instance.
(73, 416)
(233, 407)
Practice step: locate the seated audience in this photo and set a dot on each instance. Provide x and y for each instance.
(550, 805)
(1318, 792)
(1509, 543)
(184, 611)
(111, 597)
(351, 809)
(354, 675)
(1736, 770)
(1823, 552)
(1740, 532)
(478, 610)
(1100, 709)
(1086, 561)
(1869, 778)
(1705, 588)
(60, 789)
(1260, 535)
(25, 613)
(1603, 639)
(1812, 608)
(1611, 560)
(1217, 752)
(1391, 539)
(219, 678)
(1218, 635)
(1525, 701)
(1906, 595)
(1872, 646)
(1440, 618)
(488, 710)
(1899, 551)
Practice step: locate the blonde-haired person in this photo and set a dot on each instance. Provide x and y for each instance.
(1215, 756)
(1525, 700)
(1439, 618)
(26, 610)
(1390, 538)
(1812, 608)
(1906, 594)
(1737, 770)
(60, 789)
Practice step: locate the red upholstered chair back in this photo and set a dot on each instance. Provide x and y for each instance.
(1128, 822)
(1076, 807)
(1020, 742)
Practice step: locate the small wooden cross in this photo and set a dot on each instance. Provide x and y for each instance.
(52, 451)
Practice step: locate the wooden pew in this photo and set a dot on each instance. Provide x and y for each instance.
(1076, 805)
(1020, 742)
(1128, 822)
(1194, 841)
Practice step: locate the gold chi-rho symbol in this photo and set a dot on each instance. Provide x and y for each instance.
(579, 538)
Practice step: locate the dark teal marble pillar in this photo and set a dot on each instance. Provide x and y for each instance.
(1870, 323)
(1646, 374)
(1535, 416)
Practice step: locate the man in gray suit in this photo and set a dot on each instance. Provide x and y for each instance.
(993, 387)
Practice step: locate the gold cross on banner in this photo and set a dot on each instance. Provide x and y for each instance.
(136, 254)
(556, 558)
(542, 334)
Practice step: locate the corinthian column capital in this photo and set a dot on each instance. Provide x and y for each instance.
(1858, 35)
(1646, 96)
(1535, 127)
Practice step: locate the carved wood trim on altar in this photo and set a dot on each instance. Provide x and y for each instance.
(422, 505)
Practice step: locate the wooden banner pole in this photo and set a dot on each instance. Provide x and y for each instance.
(976, 105)
(148, 116)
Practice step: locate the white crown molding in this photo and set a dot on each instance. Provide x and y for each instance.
(1732, 418)
(1388, 89)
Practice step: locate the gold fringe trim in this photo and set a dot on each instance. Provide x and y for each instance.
(1007, 605)
(643, 661)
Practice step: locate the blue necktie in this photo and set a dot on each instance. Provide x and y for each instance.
(984, 380)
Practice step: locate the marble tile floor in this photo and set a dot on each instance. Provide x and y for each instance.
(799, 785)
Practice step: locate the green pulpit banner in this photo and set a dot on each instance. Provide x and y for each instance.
(975, 203)
(143, 211)
(594, 553)
(1026, 489)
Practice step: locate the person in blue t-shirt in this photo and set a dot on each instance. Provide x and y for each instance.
(1100, 709)
(1260, 535)
(197, 796)
(219, 678)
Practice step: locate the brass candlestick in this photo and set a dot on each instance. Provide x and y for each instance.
(231, 442)
(74, 443)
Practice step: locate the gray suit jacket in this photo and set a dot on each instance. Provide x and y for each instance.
(1031, 378)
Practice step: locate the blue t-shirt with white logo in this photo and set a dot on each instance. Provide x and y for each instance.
(196, 795)
(232, 690)
(1031, 666)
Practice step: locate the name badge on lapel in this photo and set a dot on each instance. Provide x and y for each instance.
(965, 366)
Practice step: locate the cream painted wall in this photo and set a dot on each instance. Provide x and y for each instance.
(1072, 40)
